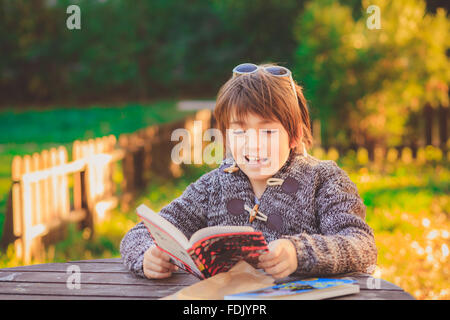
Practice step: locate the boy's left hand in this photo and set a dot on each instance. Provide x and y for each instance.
(281, 260)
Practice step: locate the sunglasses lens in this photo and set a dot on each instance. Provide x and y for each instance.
(245, 68)
(277, 71)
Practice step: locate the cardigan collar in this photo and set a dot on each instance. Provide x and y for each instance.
(239, 191)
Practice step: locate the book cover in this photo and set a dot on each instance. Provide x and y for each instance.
(219, 253)
(310, 289)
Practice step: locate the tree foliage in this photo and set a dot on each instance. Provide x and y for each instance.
(364, 83)
(136, 49)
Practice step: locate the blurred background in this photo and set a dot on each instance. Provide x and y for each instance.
(378, 100)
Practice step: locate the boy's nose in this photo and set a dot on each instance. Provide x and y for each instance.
(252, 142)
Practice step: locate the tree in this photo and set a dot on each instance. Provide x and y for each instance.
(364, 84)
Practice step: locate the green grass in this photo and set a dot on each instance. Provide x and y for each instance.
(64, 125)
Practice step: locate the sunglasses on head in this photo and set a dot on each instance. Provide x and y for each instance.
(277, 71)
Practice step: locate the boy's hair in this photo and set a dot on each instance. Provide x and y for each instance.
(269, 97)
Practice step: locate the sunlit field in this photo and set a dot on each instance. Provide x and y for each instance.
(408, 207)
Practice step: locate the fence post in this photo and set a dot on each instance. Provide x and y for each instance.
(12, 229)
(428, 115)
(26, 216)
(139, 158)
(77, 197)
(36, 217)
(64, 197)
(128, 172)
(8, 227)
(46, 195)
(80, 201)
(443, 118)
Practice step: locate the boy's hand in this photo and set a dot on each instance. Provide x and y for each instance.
(156, 264)
(281, 260)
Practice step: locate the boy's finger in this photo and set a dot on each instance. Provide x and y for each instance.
(158, 275)
(266, 256)
(164, 256)
(157, 268)
(278, 269)
(162, 263)
(154, 251)
(270, 255)
(150, 272)
(157, 252)
(268, 263)
(281, 275)
(275, 247)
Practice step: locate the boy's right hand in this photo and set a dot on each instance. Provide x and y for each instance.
(156, 264)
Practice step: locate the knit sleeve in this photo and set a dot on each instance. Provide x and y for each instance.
(345, 243)
(187, 213)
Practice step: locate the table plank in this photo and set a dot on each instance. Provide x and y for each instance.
(62, 267)
(93, 290)
(377, 295)
(177, 278)
(109, 260)
(44, 297)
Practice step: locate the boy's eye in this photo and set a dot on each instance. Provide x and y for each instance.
(268, 131)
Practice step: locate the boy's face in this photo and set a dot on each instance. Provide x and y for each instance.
(260, 147)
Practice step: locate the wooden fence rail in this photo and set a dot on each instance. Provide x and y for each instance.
(48, 191)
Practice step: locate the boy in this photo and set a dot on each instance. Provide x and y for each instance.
(308, 210)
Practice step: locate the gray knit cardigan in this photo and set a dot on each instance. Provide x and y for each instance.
(317, 207)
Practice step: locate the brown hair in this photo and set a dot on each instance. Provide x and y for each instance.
(269, 97)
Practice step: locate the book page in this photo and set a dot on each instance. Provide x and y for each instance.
(170, 245)
(145, 212)
(166, 236)
(210, 231)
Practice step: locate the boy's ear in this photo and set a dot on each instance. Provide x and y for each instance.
(294, 144)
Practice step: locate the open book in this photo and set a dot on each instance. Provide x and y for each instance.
(309, 289)
(210, 250)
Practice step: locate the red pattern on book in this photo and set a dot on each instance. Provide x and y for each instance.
(220, 253)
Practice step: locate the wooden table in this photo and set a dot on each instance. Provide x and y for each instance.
(109, 279)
